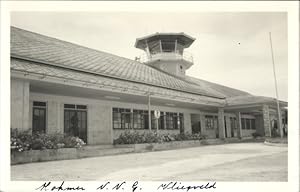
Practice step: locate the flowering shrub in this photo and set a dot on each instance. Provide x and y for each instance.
(25, 141)
(189, 136)
(20, 142)
(134, 137)
(71, 141)
(255, 134)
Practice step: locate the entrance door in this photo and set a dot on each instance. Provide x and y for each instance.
(76, 124)
(39, 120)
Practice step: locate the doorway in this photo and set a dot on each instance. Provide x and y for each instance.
(196, 123)
(75, 122)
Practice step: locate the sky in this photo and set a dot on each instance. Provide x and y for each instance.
(231, 48)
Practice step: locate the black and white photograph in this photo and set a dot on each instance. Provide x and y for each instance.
(185, 99)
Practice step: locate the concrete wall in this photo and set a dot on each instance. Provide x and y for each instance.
(266, 120)
(99, 113)
(19, 105)
(259, 124)
(54, 117)
(99, 124)
(187, 122)
(247, 132)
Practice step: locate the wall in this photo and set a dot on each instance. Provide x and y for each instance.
(247, 132)
(99, 124)
(19, 105)
(259, 124)
(99, 114)
(187, 122)
(172, 66)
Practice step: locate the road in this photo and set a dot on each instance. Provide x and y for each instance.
(229, 162)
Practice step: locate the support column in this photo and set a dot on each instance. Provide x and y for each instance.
(221, 123)
(266, 120)
(239, 125)
(202, 124)
(19, 105)
(187, 123)
(54, 115)
(228, 126)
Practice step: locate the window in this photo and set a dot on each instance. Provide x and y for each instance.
(161, 122)
(171, 120)
(75, 121)
(211, 122)
(248, 124)
(168, 46)
(138, 119)
(39, 117)
(121, 118)
(243, 121)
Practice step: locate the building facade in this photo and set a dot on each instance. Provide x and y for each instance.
(60, 87)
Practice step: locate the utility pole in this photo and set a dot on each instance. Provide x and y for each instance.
(149, 111)
(279, 124)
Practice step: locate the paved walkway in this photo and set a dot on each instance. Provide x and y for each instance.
(230, 162)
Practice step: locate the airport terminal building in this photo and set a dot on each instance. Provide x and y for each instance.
(60, 87)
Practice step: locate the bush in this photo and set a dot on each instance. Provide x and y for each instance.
(71, 141)
(275, 132)
(20, 141)
(189, 136)
(255, 135)
(24, 141)
(134, 137)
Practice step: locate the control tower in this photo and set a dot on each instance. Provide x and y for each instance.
(165, 51)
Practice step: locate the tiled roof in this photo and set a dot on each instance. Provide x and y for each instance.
(251, 99)
(29, 68)
(50, 51)
(217, 88)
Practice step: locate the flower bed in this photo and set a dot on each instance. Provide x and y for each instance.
(24, 141)
(26, 147)
(134, 137)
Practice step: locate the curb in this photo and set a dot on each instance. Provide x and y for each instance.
(276, 144)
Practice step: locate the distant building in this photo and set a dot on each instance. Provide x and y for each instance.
(60, 87)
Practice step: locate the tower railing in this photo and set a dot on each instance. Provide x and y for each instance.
(168, 56)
